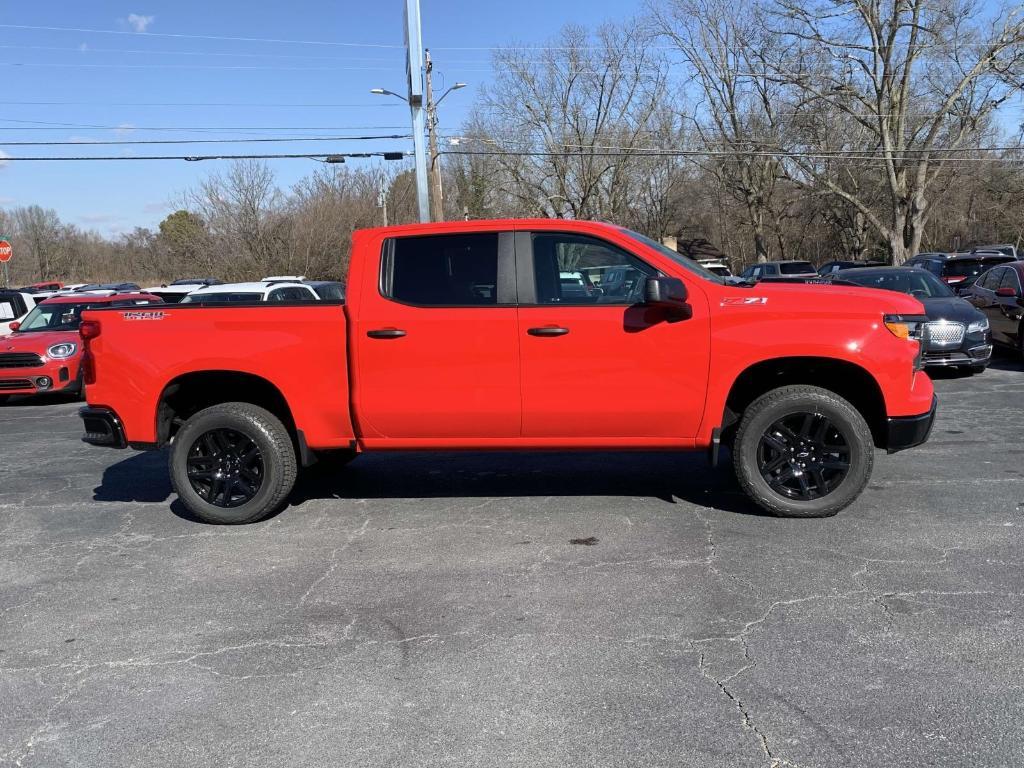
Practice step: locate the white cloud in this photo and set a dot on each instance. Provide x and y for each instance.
(3, 162)
(139, 23)
(157, 207)
(124, 128)
(6, 200)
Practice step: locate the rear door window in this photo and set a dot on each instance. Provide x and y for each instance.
(442, 270)
(1010, 279)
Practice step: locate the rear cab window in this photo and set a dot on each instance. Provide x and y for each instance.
(796, 267)
(459, 270)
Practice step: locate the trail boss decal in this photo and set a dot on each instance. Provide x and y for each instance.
(143, 315)
(738, 301)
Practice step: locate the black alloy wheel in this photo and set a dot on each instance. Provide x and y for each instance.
(225, 467)
(803, 456)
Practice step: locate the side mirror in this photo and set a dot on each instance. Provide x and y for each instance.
(1006, 293)
(665, 292)
(14, 326)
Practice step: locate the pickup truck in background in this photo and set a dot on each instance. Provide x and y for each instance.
(465, 336)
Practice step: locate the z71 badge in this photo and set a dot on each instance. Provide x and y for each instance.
(143, 315)
(742, 301)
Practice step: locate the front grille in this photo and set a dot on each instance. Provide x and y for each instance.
(15, 384)
(20, 360)
(945, 334)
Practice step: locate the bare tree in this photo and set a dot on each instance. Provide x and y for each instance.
(899, 82)
(724, 45)
(566, 121)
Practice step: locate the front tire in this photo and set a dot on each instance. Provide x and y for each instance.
(233, 463)
(803, 451)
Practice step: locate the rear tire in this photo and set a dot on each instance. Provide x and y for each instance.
(233, 463)
(803, 451)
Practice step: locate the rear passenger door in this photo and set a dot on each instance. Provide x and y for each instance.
(435, 341)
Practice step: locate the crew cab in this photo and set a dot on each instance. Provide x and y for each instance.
(44, 352)
(461, 336)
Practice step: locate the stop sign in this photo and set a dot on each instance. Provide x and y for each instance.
(5, 251)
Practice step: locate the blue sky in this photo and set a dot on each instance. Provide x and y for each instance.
(150, 71)
(107, 76)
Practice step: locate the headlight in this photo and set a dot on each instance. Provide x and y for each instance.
(978, 326)
(62, 351)
(910, 327)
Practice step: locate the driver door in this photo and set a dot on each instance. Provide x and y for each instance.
(596, 363)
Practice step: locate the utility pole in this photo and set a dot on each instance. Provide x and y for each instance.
(436, 195)
(414, 51)
(382, 198)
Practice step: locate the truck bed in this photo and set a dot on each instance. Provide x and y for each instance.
(298, 349)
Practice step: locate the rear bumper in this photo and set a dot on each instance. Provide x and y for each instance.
(908, 431)
(102, 427)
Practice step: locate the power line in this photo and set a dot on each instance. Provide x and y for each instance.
(198, 141)
(200, 37)
(193, 158)
(239, 67)
(87, 50)
(129, 127)
(191, 104)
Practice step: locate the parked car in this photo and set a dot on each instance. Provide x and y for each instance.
(719, 268)
(46, 285)
(958, 268)
(769, 269)
(801, 381)
(103, 288)
(174, 292)
(998, 294)
(247, 293)
(1007, 249)
(327, 290)
(834, 266)
(44, 352)
(957, 334)
(14, 305)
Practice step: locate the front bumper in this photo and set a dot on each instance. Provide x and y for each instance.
(62, 377)
(980, 355)
(102, 427)
(908, 431)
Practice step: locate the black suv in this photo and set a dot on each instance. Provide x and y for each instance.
(958, 269)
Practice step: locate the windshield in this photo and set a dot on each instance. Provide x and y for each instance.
(969, 267)
(56, 317)
(916, 282)
(221, 298)
(683, 261)
(796, 267)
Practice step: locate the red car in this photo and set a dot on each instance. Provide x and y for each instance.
(465, 336)
(44, 352)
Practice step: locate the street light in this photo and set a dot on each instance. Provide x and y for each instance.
(385, 92)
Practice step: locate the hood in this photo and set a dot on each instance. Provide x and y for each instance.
(826, 298)
(952, 308)
(37, 341)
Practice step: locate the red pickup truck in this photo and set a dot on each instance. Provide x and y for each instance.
(517, 334)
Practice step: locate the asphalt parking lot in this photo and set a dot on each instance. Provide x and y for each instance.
(417, 610)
